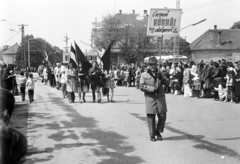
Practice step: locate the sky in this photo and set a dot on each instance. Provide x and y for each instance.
(53, 19)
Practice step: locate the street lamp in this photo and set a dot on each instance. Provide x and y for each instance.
(194, 24)
(29, 51)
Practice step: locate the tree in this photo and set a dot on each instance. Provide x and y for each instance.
(37, 47)
(236, 25)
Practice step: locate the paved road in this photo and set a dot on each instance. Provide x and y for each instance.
(197, 130)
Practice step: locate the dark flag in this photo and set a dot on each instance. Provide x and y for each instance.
(80, 57)
(106, 59)
(73, 58)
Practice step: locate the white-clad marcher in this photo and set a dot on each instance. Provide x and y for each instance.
(57, 74)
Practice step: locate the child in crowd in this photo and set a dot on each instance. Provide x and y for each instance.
(229, 83)
(126, 75)
(22, 84)
(30, 87)
(222, 93)
(196, 87)
(137, 77)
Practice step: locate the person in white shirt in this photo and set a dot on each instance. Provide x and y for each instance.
(30, 87)
(22, 84)
(57, 74)
(64, 83)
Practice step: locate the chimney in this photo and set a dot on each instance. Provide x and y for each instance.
(145, 13)
(219, 33)
(215, 27)
(133, 11)
(120, 11)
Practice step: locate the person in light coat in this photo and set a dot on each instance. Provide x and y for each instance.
(151, 83)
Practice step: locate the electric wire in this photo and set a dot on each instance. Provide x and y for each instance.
(9, 39)
(204, 5)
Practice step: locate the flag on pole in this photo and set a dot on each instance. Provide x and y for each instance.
(80, 58)
(73, 57)
(45, 55)
(106, 59)
(99, 56)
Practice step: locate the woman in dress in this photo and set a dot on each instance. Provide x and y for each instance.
(95, 75)
(71, 83)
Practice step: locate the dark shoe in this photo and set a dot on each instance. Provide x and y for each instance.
(112, 100)
(152, 139)
(159, 136)
(99, 101)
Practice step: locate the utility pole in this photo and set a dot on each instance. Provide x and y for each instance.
(66, 40)
(23, 57)
(176, 38)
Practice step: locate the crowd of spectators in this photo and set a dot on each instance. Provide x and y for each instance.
(13, 144)
(218, 80)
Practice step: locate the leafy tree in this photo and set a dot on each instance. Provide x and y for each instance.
(37, 47)
(236, 25)
(131, 38)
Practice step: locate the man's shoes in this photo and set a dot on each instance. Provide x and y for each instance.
(153, 139)
(99, 101)
(159, 136)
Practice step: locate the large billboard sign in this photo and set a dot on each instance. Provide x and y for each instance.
(164, 22)
(66, 57)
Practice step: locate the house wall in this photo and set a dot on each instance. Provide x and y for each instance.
(9, 58)
(207, 56)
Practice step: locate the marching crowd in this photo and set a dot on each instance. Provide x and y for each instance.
(79, 80)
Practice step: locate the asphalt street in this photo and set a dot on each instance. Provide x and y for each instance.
(197, 130)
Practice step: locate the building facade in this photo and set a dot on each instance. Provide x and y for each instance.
(217, 44)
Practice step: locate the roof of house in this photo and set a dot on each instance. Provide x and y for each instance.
(1, 54)
(219, 39)
(12, 50)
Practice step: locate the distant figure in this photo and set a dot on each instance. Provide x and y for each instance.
(30, 87)
(22, 85)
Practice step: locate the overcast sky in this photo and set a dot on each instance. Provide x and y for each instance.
(52, 19)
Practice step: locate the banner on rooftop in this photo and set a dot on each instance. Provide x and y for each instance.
(164, 22)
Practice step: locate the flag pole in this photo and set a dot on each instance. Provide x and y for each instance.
(160, 39)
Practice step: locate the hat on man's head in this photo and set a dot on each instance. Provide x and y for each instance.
(152, 60)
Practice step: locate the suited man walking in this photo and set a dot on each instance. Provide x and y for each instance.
(151, 83)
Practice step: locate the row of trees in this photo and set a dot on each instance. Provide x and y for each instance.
(38, 47)
(130, 34)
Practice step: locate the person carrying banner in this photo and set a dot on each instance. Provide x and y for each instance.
(95, 74)
(151, 83)
(83, 83)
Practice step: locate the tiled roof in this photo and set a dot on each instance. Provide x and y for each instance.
(220, 39)
(12, 50)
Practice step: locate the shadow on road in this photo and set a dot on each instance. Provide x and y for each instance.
(198, 139)
(109, 144)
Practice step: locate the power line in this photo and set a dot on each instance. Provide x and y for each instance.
(9, 39)
(204, 5)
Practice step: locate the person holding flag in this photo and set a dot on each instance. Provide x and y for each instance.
(95, 74)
